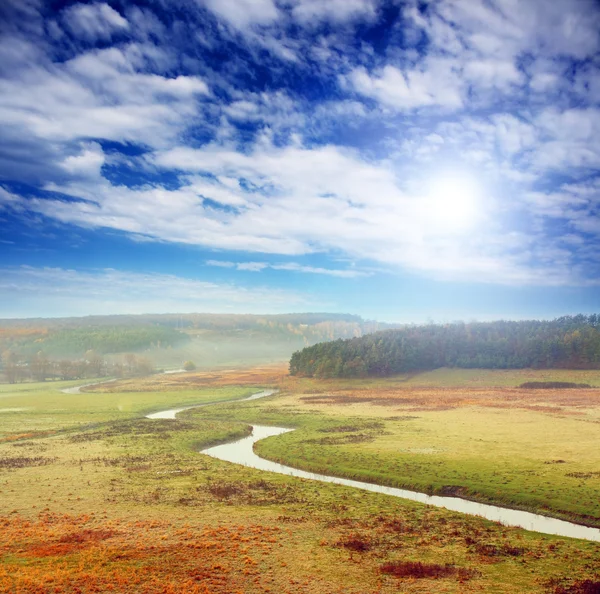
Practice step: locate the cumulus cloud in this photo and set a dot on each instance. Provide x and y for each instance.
(93, 21)
(297, 201)
(437, 83)
(99, 94)
(313, 11)
(307, 136)
(243, 13)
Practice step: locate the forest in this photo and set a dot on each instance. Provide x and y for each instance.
(75, 341)
(568, 342)
(72, 337)
(46, 348)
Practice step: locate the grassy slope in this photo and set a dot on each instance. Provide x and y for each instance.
(145, 513)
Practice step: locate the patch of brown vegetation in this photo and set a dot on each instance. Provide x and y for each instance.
(74, 554)
(409, 399)
(267, 375)
(15, 462)
(578, 587)
(416, 569)
(358, 543)
(584, 475)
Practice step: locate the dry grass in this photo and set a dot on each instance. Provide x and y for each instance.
(90, 554)
(412, 399)
(267, 375)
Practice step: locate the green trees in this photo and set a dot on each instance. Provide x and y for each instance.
(75, 342)
(39, 367)
(569, 342)
(189, 366)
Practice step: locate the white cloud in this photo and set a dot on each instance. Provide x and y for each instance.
(509, 27)
(295, 267)
(100, 94)
(10, 200)
(490, 85)
(243, 13)
(555, 204)
(306, 200)
(496, 74)
(312, 11)
(543, 81)
(86, 164)
(252, 266)
(514, 135)
(291, 266)
(64, 292)
(220, 263)
(571, 138)
(436, 83)
(482, 47)
(93, 21)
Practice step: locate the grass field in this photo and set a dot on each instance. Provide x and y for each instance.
(33, 408)
(128, 506)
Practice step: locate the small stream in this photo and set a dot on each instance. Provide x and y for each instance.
(242, 452)
(172, 412)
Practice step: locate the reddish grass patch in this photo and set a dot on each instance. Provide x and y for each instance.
(107, 555)
(355, 542)
(418, 570)
(579, 587)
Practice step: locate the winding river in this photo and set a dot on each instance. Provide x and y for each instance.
(242, 452)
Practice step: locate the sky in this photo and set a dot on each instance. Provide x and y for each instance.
(406, 161)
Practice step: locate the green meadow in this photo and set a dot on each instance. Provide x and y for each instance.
(43, 407)
(84, 510)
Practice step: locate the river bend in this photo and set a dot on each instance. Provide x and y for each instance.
(242, 452)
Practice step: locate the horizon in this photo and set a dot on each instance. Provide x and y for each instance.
(400, 160)
(301, 313)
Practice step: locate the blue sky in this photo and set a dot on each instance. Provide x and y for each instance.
(403, 160)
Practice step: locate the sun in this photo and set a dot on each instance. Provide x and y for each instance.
(453, 201)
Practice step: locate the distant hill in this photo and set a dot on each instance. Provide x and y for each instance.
(170, 339)
(569, 342)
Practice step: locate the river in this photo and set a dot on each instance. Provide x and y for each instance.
(242, 452)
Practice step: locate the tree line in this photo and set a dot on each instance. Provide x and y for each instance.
(568, 342)
(39, 367)
(74, 342)
(72, 337)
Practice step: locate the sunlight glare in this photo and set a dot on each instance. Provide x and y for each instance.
(453, 202)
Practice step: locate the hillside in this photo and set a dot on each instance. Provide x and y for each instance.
(569, 342)
(170, 339)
